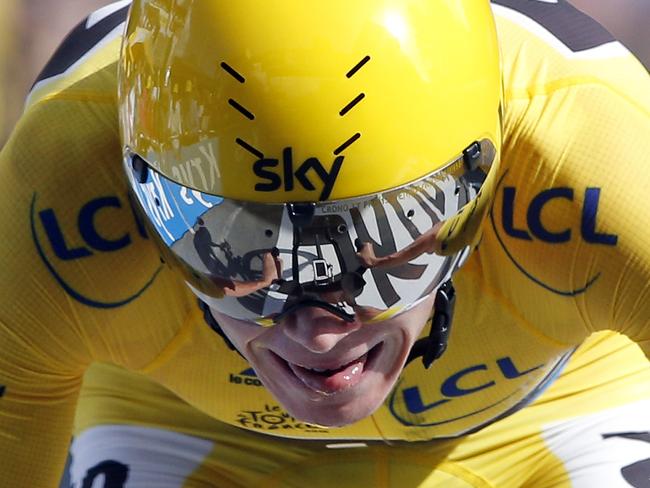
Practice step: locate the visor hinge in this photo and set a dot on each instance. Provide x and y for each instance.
(472, 156)
(140, 169)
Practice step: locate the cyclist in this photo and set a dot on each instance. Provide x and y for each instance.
(391, 253)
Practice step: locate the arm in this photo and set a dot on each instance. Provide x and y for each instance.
(36, 415)
(42, 357)
(616, 219)
(76, 264)
(571, 213)
(621, 302)
(271, 271)
(72, 260)
(426, 243)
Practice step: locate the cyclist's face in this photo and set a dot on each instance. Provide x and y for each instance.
(324, 370)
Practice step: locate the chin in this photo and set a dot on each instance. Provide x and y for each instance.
(334, 414)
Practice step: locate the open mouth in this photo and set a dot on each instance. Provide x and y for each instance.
(332, 381)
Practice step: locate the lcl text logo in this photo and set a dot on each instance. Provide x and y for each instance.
(537, 229)
(465, 383)
(584, 225)
(91, 236)
(83, 238)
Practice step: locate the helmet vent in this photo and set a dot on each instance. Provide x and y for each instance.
(241, 109)
(232, 72)
(357, 67)
(350, 105)
(255, 152)
(347, 143)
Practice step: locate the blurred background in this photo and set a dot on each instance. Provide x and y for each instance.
(30, 30)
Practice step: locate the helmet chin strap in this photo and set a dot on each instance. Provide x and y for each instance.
(212, 322)
(432, 347)
(429, 348)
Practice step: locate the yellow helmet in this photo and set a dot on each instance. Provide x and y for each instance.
(302, 110)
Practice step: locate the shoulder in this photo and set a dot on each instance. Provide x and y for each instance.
(70, 114)
(572, 92)
(90, 47)
(570, 206)
(68, 133)
(577, 102)
(63, 191)
(548, 47)
(556, 21)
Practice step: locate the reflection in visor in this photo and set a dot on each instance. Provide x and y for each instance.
(369, 257)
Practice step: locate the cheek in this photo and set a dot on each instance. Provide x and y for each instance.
(414, 322)
(240, 333)
(414, 329)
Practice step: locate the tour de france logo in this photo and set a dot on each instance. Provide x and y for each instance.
(272, 417)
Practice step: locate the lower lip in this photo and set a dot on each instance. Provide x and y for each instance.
(333, 382)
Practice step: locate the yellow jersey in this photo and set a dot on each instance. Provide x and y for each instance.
(559, 285)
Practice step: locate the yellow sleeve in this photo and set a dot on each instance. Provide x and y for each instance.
(615, 220)
(578, 148)
(605, 165)
(42, 351)
(81, 281)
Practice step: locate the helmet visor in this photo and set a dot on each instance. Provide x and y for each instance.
(367, 258)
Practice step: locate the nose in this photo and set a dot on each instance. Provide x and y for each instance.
(316, 329)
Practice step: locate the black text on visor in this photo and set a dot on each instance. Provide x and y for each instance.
(259, 261)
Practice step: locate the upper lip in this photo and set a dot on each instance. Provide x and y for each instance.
(327, 363)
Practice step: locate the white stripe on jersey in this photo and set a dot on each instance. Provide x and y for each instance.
(609, 50)
(104, 12)
(92, 20)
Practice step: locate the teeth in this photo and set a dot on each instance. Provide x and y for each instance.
(323, 370)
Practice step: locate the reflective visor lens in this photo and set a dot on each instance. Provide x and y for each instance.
(364, 257)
